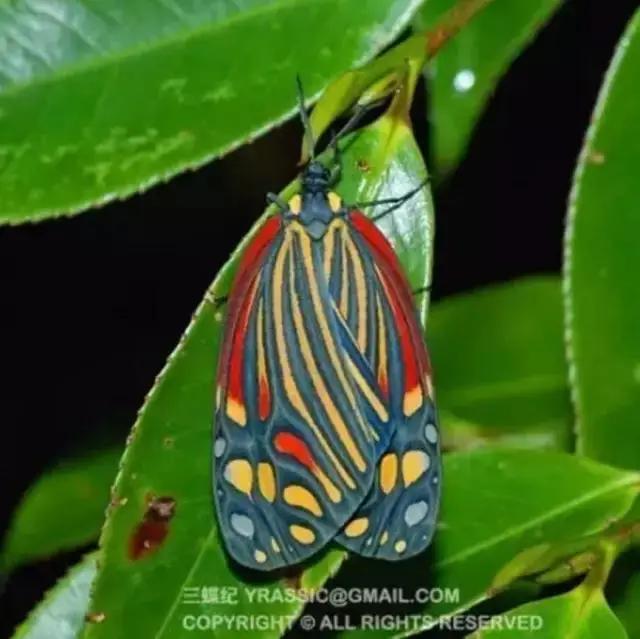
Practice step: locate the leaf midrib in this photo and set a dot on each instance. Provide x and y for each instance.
(626, 481)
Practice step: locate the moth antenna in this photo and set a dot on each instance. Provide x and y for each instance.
(337, 158)
(304, 117)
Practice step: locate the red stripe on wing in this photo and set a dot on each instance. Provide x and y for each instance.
(234, 380)
(238, 311)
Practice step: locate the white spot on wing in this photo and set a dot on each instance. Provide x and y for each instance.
(416, 512)
(219, 447)
(242, 525)
(431, 433)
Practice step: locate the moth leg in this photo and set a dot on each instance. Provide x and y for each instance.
(422, 289)
(217, 301)
(395, 202)
(272, 198)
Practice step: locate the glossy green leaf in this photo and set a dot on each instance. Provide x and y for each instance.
(462, 77)
(501, 375)
(169, 454)
(497, 504)
(64, 509)
(100, 101)
(61, 614)
(579, 614)
(602, 263)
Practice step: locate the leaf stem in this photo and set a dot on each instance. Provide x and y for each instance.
(452, 23)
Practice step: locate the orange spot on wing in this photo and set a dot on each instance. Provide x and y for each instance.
(289, 444)
(383, 382)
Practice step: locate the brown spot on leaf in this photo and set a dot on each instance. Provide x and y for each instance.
(95, 617)
(363, 165)
(150, 534)
(168, 442)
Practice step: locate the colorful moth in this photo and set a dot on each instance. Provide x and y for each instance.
(325, 423)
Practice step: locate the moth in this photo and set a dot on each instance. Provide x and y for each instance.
(325, 421)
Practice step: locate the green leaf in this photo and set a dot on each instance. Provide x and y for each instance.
(61, 614)
(365, 85)
(496, 504)
(500, 368)
(167, 464)
(579, 614)
(602, 263)
(64, 509)
(98, 102)
(462, 77)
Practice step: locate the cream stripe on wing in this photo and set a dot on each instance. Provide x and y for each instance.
(290, 386)
(329, 244)
(307, 260)
(361, 291)
(344, 280)
(324, 396)
(382, 346)
(367, 391)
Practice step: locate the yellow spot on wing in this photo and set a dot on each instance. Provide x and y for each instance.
(260, 556)
(400, 546)
(357, 527)
(236, 411)
(414, 465)
(267, 481)
(274, 545)
(302, 534)
(384, 538)
(239, 474)
(388, 472)
(412, 400)
(300, 497)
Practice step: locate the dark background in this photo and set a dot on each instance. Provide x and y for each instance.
(91, 306)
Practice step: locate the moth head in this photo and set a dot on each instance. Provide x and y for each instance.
(316, 178)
